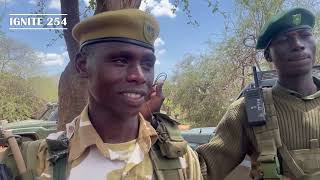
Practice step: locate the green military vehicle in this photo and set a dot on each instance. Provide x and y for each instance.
(198, 136)
(36, 129)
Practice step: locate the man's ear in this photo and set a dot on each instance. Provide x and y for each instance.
(267, 55)
(81, 65)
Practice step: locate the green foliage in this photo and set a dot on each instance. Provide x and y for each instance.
(90, 8)
(213, 5)
(45, 87)
(22, 94)
(17, 99)
(204, 86)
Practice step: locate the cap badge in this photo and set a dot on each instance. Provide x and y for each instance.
(296, 19)
(149, 32)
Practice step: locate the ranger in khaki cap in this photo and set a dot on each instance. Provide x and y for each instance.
(110, 139)
(287, 145)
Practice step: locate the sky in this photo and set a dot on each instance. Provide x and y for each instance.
(177, 37)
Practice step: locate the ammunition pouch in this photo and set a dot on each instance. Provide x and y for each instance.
(171, 143)
(302, 164)
(307, 159)
(166, 152)
(166, 168)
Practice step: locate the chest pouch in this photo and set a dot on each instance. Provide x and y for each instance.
(171, 143)
(305, 160)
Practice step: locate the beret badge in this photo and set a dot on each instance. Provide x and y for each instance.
(149, 32)
(296, 19)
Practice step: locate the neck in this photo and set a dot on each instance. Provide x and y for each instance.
(304, 84)
(112, 127)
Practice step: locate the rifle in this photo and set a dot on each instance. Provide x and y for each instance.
(7, 136)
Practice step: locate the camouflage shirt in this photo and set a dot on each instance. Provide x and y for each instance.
(90, 157)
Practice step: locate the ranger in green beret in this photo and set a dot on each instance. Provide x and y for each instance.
(287, 145)
(110, 139)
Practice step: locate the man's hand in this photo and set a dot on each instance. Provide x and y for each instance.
(154, 101)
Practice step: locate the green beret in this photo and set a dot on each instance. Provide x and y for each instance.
(127, 25)
(293, 18)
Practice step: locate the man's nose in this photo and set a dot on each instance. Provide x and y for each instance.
(297, 44)
(136, 74)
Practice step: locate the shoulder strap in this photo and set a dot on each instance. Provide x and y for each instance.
(59, 168)
(268, 139)
(268, 136)
(165, 154)
(166, 168)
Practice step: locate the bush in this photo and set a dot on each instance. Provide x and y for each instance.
(17, 98)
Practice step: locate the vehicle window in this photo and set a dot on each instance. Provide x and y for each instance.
(53, 116)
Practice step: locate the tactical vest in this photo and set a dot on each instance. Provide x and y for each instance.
(165, 153)
(303, 164)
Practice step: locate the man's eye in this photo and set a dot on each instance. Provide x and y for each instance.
(282, 38)
(148, 65)
(120, 60)
(306, 34)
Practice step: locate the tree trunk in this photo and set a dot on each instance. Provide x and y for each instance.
(72, 89)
